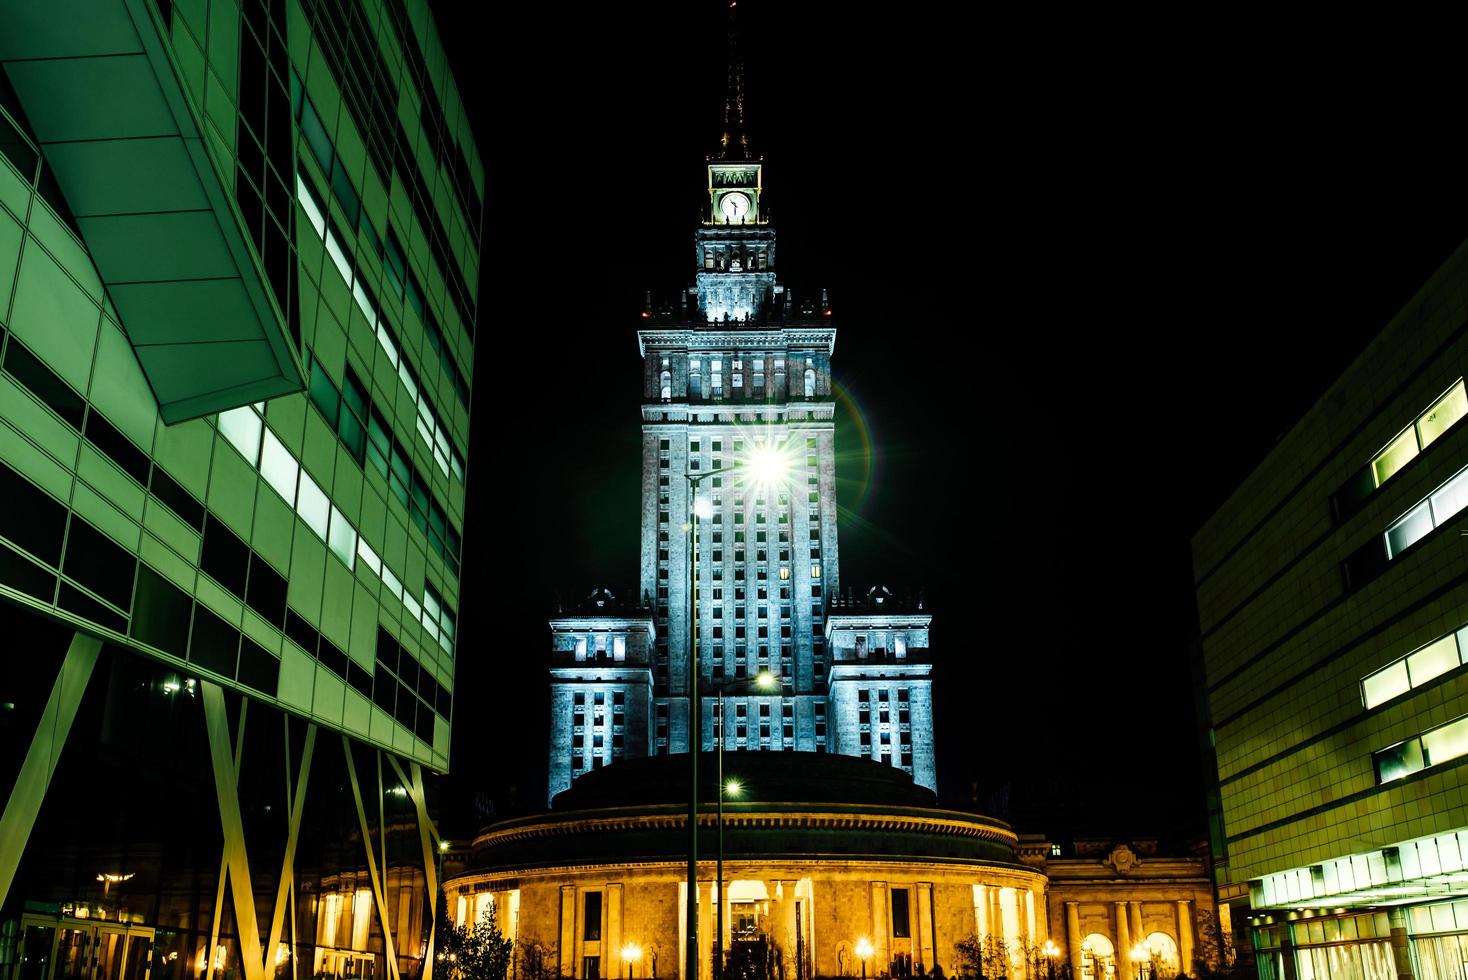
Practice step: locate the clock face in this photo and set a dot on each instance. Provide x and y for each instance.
(734, 206)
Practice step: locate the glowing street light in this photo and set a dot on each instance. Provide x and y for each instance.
(631, 953)
(732, 788)
(767, 465)
(1052, 953)
(1140, 955)
(864, 952)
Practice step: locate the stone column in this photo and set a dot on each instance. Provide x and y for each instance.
(1185, 936)
(1123, 941)
(706, 930)
(566, 951)
(612, 939)
(1022, 904)
(1397, 919)
(923, 946)
(981, 909)
(996, 912)
(1073, 936)
(881, 961)
(1139, 934)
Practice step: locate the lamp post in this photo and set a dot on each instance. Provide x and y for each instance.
(863, 953)
(763, 681)
(1139, 957)
(631, 953)
(1052, 952)
(767, 465)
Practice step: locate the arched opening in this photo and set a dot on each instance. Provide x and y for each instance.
(1164, 959)
(1098, 958)
(665, 386)
(810, 383)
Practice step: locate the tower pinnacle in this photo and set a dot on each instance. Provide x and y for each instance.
(733, 144)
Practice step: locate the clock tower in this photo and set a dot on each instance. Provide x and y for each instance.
(734, 367)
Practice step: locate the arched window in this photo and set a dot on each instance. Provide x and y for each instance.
(665, 384)
(1098, 958)
(810, 383)
(1163, 950)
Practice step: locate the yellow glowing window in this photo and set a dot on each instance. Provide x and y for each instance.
(815, 571)
(1415, 669)
(1448, 742)
(1442, 415)
(784, 573)
(1399, 453)
(1433, 660)
(1385, 684)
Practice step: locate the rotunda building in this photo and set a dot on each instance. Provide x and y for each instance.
(830, 863)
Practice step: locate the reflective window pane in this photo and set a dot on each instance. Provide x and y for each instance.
(1409, 530)
(1434, 659)
(1442, 415)
(1385, 684)
(1401, 451)
(241, 426)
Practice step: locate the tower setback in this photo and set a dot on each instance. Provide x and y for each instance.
(735, 368)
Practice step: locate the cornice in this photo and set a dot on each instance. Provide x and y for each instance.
(719, 337)
(674, 818)
(995, 872)
(718, 413)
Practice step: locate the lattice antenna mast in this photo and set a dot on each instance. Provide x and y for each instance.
(734, 144)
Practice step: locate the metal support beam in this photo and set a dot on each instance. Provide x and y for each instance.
(379, 893)
(297, 803)
(216, 722)
(428, 836)
(29, 792)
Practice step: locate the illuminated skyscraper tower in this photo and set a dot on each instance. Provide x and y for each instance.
(732, 366)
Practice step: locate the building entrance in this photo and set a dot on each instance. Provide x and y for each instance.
(61, 948)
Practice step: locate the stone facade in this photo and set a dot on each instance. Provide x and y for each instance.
(1106, 897)
(734, 368)
(838, 851)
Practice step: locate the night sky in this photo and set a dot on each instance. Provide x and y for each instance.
(1081, 286)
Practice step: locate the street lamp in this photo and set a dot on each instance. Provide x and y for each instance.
(1140, 956)
(763, 681)
(1052, 953)
(766, 465)
(864, 953)
(631, 953)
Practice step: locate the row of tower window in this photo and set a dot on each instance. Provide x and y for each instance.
(736, 258)
(607, 737)
(712, 385)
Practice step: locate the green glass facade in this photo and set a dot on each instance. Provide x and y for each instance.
(239, 255)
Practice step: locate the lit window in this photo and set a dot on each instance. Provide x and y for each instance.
(1408, 530)
(313, 506)
(368, 556)
(279, 467)
(815, 571)
(1445, 743)
(784, 573)
(1443, 414)
(342, 538)
(1416, 668)
(241, 426)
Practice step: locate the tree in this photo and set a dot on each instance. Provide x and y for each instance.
(478, 953)
(982, 956)
(538, 961)
(1214, 954)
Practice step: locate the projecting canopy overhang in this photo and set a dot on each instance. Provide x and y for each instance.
(101, 91)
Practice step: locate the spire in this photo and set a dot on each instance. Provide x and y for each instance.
(733, 144)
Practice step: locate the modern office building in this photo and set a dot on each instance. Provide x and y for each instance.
(1332, 588)
(736, 369)
(239, 248)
